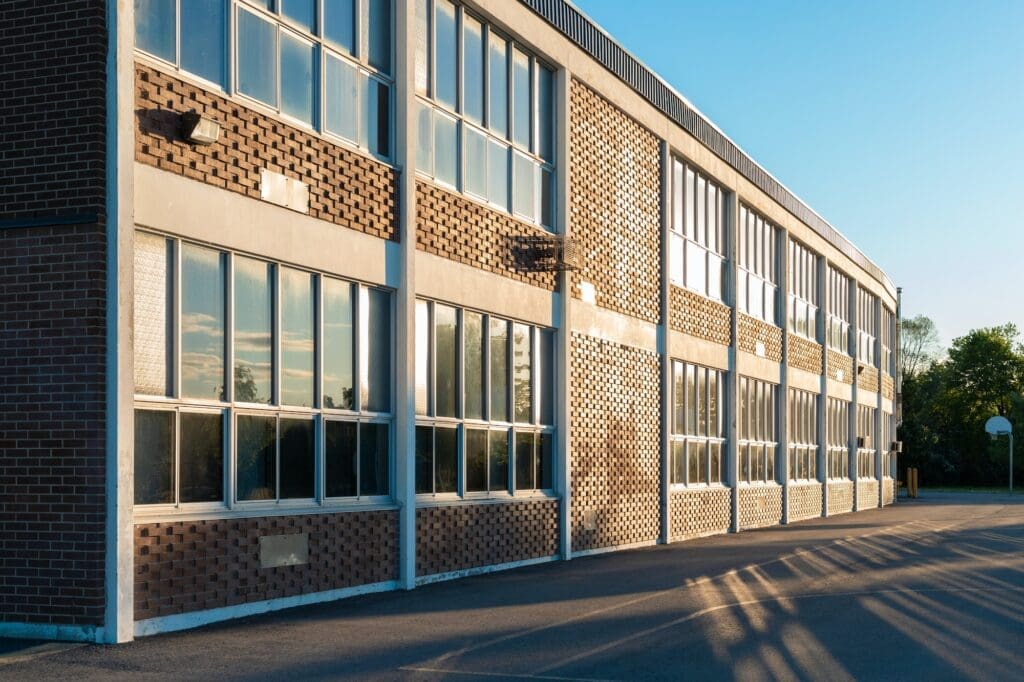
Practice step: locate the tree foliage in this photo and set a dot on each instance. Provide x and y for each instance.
(919, 345)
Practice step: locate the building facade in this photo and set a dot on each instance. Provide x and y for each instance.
(310, 299)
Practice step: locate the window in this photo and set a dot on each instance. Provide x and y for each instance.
(484, 403)
(325, 64)
(758, 447)
(280, 410)
(838, 439)
(697, 438)
(865, 442)
(886, 445)
(867, 327)
(888, 341)
(696, 241)
(838, 329)
(802, 306)
(485, 116)
(803, 435)
(758, 267)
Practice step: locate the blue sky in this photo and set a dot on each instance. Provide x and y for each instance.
(900, 122)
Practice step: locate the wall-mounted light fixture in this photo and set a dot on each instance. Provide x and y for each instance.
(199, 129)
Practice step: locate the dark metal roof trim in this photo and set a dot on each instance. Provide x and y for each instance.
(578, 28)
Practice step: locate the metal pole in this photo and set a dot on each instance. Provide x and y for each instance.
(1011, 461)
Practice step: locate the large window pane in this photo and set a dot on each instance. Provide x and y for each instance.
(445, 62)
(526, 466)
(696, 270)
(301, 12)
(297, 58)
(375, 344)
(153, 327)
(545, 462)
(379, 33)
(155, 27)
(546, 374)
(523, 186)
(339, 24)
(422, 48)
(678, 461)
(337, 334)
(446, 460)
(422, 357)
(545, 114)
(203, 39)
(341, 98)
(475, 174)
(472, 69)
(497, 173)
(256, 452)
(473, 364)
(521, 106)
(424, 459)
(424, 138)
(202, 458)
(373, 459)
(340, 458)
(445, 149)
(257, 58)
(497, 88)
(154, 457)
(253, 330)
(498, 460)
(446, 361)
(297, 459)
(522, 372)
(377, 126)
(476, 460)
(499, 370)
(297, 315)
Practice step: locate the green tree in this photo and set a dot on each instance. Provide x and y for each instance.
(919, 345)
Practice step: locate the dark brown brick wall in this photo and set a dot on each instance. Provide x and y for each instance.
(464, 535)
(840, 361)
(804, 354)
(345, 187)
(615, 204)
(616, 443)
(700, 511)
(752, 331)
(186, 566)
(465, 231)
(52, 424)
(693, 314)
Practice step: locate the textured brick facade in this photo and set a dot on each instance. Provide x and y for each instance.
(616, 443)
(760, 506)
(462, 230)
(693, 314)
(464, 535)
(345, 187)
(615, 205)
(867, 495)
(699, 512)
(804, 354)
(867, 380)
(888, 387)
(840, 497)
(186, 566)
(804, 501)
(888, 491)
(839, 362)
(752, 332)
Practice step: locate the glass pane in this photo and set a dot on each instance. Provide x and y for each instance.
(375, 348)
(339, 24)
(475, 175)
(152, 325)
(256, 448)
(526, 468)
(300, 12)
(522, 186)
(341, 95)
(473, 364)
(379, 33)
(499, 370)
(702, 402)
(696, 266)
(154, 457)
(547, 197)
(253, 330)
(498, 459)
(546, 374)
(691, 400)
(714, 422)
(497, 174)
(445, 149)
(422, 48)
(257, 58)
(373, 459)
(497, 71)
(297, 458)
(297, 57)
(689, 208)
(202, 458)
(422, 356)
(446, 460)
(445, 62)
(446, 361)
(715, 473)
(297, 315)
(472, 69)
(521, 105)
(692, 461)
(424, 138)
(337, 355)
(545, 462)
(155, 27)
(476, 460)
(377, 127)
(424, 459)
(675, 258)
(340, 458)
(678, 398)
(714, 276)
(678, 461)
(203, 39)
(522, 372)
(545, 114)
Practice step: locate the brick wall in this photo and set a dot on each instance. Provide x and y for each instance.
(760, 506)
(888, 387)
(804, 500)
(804, 354)
(465, 231)
(888, 491)
(186, 566)
(840, 362)
(345, 187)
(460, 536)
(616, 443)
(752, 331)
(693, 314)
(868, 379)
(840, 497)
(699, 512)
(615, 204)
(867, 495)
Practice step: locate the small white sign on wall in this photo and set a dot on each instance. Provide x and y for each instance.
(284, 191)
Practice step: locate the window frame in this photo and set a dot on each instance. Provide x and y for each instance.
(803, 433)
(758, 433)
(680, 192)
(681, 436)
(837, 329)
(838, 430)
(760, 237)
(803, 291)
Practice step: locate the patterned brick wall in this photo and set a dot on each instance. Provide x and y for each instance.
(760, 506)
(699, 512)
(189, 566)
(840, 497)
(888, 387)
(464, 231)
(804, 501)
(693, 314)
(867, 494)
(615, 204)
(346, 188)
(840, 362)
(460, 536)
(752, 331)
(616, 443)
(888, 491)
(804, 354)
(868, 379)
